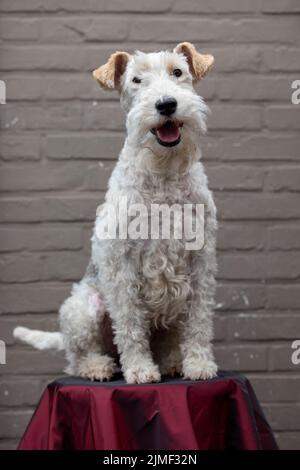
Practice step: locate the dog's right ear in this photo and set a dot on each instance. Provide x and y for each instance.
(109, 75)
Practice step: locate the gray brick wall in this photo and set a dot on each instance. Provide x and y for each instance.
(60, 136)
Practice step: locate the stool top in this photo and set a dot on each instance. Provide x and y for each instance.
(118, 381)
(175, 414)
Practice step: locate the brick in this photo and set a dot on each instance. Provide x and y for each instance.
(283, 297)
(64, 266)
(52, 58)
(56, 176)
(258, 327)
(237, 236)
(105, 117)
(72, 208)
(207, 88)
(76, 86)
(46, 322)
(19, 147)
(23, 88)
(234, 117)
(220, 327)
(8, 444)
(254, 88)
(41, 178)
(214, 6)
(280, 357)
(281, 30)
(276, 388)
(224, 177)
(40, 238)
(106, 146)
(20, 392)
(241, 358)
(70, 29)
(24, 268)
(89, 5)
(285, 237)
(53, 117)
(269, 29)
(64, 208)
(17, 6)
(42, 267)
(280, 6)
(240, 296)
(240, 58)
(13, 28)
(244, 58)
(282, 266)
(235, 267)
(281, 59)
(288, 440)
(239, 146)
(283, 178)
(258, 206)
(96, 176)
(29, 362)
(13, 423)
(32, 298)
(259, 266)
(144, 30)
(285, 416)
(283, 117)
(32, 5)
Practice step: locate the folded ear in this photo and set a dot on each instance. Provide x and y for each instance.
(109, 75)
(199, 63)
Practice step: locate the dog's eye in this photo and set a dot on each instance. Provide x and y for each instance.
(177, 72)
(136, 80)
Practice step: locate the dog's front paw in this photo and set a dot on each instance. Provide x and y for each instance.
(142, 374)
(96, 367)
(200, 370)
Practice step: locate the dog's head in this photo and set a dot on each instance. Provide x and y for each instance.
(164, 113)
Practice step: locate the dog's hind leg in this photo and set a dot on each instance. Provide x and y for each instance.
(82, 317)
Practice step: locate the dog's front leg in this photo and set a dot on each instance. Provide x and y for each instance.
(197, 334)
(197, 330)
(132, 340)
(131, 336)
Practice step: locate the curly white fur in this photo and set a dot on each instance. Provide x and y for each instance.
(147, 302)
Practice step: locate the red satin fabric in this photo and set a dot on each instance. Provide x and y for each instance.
(222, 413)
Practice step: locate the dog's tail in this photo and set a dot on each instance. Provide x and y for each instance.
(39, 339)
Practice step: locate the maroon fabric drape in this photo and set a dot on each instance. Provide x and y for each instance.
(222, 413)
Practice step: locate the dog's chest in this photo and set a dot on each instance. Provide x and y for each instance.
(164, 278)
(165, 263)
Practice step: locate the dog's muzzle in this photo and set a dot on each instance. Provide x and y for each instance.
(169, 134)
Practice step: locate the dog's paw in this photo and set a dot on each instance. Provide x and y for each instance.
(142, 374)
(96, 367)
(203, 370)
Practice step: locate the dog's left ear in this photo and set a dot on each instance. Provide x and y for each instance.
(199, 63)
(109, 75)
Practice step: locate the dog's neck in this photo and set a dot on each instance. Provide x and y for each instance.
(169, 163)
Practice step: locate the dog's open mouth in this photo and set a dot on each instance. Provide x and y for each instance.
(168, 134)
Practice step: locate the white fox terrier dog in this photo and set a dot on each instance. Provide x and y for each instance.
(147, 305)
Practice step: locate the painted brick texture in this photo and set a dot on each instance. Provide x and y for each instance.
(60, 137)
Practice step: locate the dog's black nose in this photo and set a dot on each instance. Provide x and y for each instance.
(166, 106)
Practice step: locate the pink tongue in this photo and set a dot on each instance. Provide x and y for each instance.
(168, 132)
